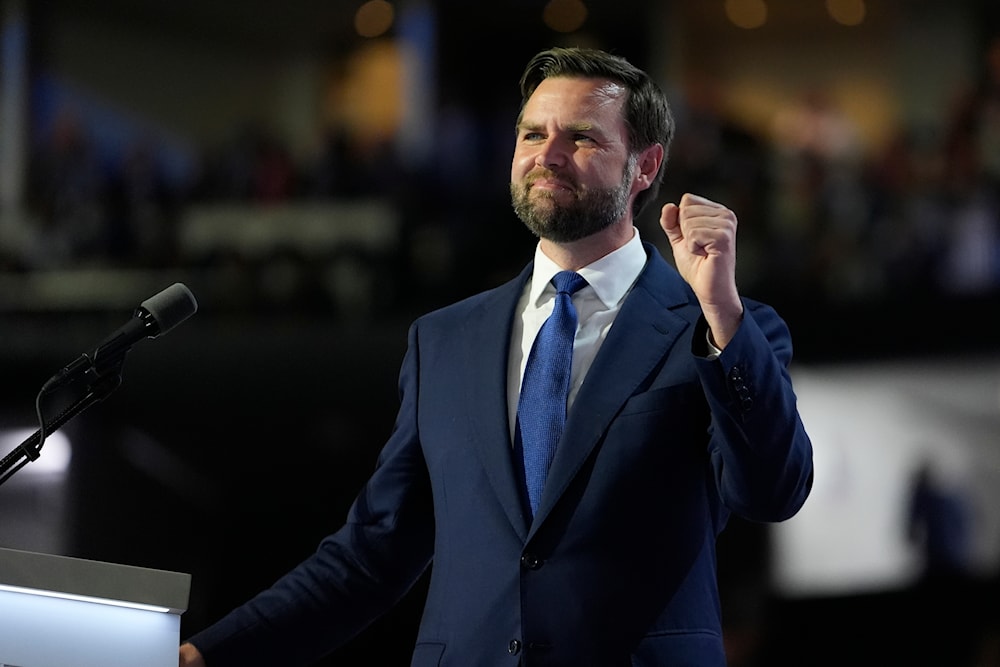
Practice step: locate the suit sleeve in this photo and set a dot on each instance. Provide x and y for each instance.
(760, 451)
(355, 575)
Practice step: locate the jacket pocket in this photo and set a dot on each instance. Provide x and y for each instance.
(427, 654)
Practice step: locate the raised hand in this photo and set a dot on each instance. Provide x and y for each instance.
(702, 236)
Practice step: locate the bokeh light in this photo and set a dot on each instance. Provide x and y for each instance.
(564, 15)
(374, 18)
(846, 12)
(748, 14)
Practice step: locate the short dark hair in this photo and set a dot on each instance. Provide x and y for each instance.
(647, 112)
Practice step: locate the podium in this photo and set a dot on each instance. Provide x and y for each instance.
(57, 611)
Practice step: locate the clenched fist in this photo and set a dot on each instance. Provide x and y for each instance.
(702, 236)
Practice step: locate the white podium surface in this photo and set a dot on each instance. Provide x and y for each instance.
(57, 611)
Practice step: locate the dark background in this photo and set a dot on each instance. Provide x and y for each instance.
(237, 441)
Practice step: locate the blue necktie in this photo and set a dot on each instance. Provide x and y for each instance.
(541, 410)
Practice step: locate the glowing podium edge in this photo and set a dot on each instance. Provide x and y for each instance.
(95, 581)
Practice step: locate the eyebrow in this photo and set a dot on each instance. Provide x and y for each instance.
(572, 127)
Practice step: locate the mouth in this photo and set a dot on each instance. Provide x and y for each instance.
(549, 183)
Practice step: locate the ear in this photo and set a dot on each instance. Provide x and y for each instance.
(646, 167)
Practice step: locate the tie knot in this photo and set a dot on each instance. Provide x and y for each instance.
(568, 281)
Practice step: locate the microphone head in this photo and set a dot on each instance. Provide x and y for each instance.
(170, 307)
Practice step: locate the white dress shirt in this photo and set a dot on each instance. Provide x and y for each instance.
(609, 280)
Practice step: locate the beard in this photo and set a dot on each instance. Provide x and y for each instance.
(591, 210)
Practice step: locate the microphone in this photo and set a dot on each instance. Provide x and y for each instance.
(154, 317)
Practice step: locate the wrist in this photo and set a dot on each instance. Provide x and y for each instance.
(723, 325)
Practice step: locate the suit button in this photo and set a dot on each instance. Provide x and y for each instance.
(740, 388)
(514, 647)
(531, 561)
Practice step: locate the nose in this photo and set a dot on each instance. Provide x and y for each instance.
(550, 155)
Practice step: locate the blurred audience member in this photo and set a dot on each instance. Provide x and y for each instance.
(68, 193)
(143, 210)
(947, 613)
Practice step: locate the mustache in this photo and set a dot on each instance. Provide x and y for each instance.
(541, 172)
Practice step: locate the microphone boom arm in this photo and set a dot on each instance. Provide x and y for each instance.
(101, 371)
(29, 449)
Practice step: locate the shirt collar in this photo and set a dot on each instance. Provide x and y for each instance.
(611, 276)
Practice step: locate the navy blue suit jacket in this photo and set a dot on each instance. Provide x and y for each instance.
(618, 567)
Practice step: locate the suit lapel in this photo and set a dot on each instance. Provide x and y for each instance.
(487, 343)
(643, 332)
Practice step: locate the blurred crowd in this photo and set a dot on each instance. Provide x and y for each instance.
(820, 216)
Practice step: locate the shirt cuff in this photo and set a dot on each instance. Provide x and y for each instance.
(713, 351)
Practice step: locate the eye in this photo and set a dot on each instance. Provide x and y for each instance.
(532, 136)
(583, 139)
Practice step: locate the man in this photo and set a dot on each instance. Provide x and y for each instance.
(681, 412)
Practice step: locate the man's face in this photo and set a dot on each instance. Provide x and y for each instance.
(571, 175)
